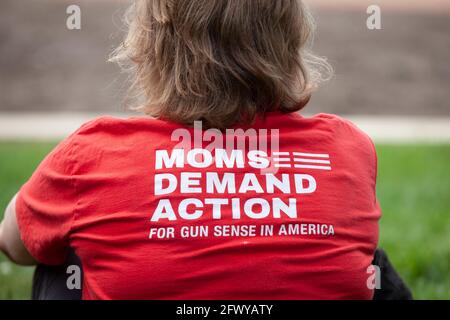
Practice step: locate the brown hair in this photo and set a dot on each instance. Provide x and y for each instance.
(220, 61)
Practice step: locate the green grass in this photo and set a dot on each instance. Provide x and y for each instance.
(413, 189)
(414, 193)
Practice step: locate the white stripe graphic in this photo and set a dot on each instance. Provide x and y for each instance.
(278, 165)
(314, 155)
(280, 153)
(281, 159)
(302, 166)
(312, 161)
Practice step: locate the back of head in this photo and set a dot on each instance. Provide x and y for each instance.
(222, 62)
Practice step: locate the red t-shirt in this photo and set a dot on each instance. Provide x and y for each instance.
(294, 217)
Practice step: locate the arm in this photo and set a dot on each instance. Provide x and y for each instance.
(10, 241)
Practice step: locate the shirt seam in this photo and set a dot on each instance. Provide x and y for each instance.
(74, 186)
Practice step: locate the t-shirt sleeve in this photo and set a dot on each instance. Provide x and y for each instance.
(358, 142)
(45, 205)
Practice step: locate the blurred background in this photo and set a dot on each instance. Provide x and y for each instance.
(395, 81)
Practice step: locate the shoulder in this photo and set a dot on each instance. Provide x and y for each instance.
(345, 128)
(112, 124)
(111, 133)
(102, 138)
(349, 136)
(109, 127)
(336, 120)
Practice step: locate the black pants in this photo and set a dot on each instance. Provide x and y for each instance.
(50, 283)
